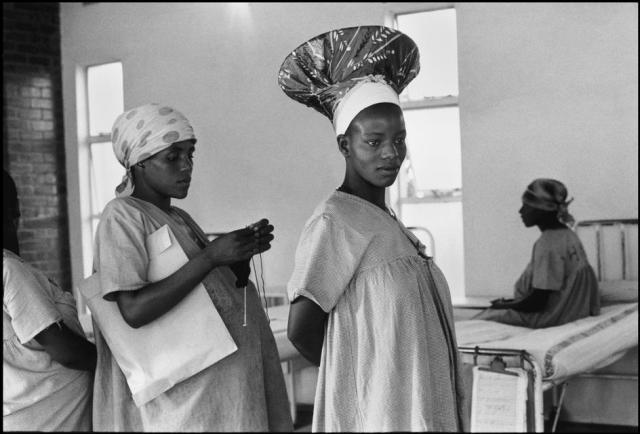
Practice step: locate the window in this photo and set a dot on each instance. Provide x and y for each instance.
(105, 101)
(428, 192)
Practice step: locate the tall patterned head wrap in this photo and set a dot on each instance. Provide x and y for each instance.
(549, 195)
(141, 132)
(342, 72)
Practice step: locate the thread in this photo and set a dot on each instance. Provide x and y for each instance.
(264, 293)
(255, 276)
(244, 324)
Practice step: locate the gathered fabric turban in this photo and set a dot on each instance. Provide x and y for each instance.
(142, 132)
(344, 71)
(549, 195)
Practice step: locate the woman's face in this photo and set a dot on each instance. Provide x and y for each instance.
(376, 144)
(168, 173)
(531, 216)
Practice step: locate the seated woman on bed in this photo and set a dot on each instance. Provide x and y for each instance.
(558, 286)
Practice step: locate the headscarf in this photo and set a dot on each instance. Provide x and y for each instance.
(142, 132)
(549, 195)
(344, 71)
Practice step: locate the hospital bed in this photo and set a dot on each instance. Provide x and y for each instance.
(555, 356)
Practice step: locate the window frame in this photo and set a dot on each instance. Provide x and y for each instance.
(426, 103)
(88, 215)
(436, 197)
(92, 140)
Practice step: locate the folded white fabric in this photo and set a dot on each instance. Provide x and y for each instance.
(179, 344)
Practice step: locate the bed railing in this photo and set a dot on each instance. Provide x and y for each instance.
(603, 244)
(535, 417)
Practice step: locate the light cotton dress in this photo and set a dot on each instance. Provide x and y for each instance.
(243, 392)
(389, 360)
(558, 264)
(38, 393)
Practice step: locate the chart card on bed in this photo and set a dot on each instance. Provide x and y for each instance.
(499, 400)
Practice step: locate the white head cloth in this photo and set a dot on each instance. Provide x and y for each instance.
(142, 132)
(371, 90)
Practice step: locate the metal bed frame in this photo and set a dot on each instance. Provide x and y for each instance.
(535, 388)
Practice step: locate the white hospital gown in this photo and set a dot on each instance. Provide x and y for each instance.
(559, 265)
(38, 393)
(389, 360)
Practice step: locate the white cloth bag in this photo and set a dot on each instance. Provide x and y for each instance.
(177, 345)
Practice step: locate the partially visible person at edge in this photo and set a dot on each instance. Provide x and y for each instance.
(368, 305)
(47, 363)
(558, 285)
(245, 391)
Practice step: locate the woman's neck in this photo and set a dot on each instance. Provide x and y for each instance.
(375, 195)
(162, 202)
(551, 225)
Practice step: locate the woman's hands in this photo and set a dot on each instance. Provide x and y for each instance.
(534, 302)
(501, 303)
(144, 305)
(240, 245)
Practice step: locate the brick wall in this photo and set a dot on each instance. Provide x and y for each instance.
(33, 148)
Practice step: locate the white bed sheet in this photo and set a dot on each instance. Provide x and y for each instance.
(577, 347)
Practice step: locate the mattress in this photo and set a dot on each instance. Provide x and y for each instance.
(562, 351)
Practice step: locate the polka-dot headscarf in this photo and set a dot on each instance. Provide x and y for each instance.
(549, 195)
(141, 132)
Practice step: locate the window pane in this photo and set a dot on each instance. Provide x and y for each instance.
(444, 221)
(104, 83)
(435, 34)
(106, 174)
(94, 228)
(433, 147)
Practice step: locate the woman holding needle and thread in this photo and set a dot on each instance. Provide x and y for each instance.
(242, 392)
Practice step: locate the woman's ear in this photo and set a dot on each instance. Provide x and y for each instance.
(343, 145)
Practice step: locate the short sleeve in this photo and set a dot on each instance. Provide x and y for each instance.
(27, 301)
(326, 260)
(120, 251)
(548, 267)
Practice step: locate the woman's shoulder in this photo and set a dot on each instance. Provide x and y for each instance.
(12, 262)
(333, 211)
(16, 272)
(9, 257)
(350, 209)
(121, 207)
(120, 215)
(557, 238)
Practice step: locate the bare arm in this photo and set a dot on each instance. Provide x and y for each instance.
(305, 328)
(67, 348)
(534, 302)
(148, 303)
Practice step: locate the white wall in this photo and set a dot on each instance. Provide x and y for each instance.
(545, 90)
